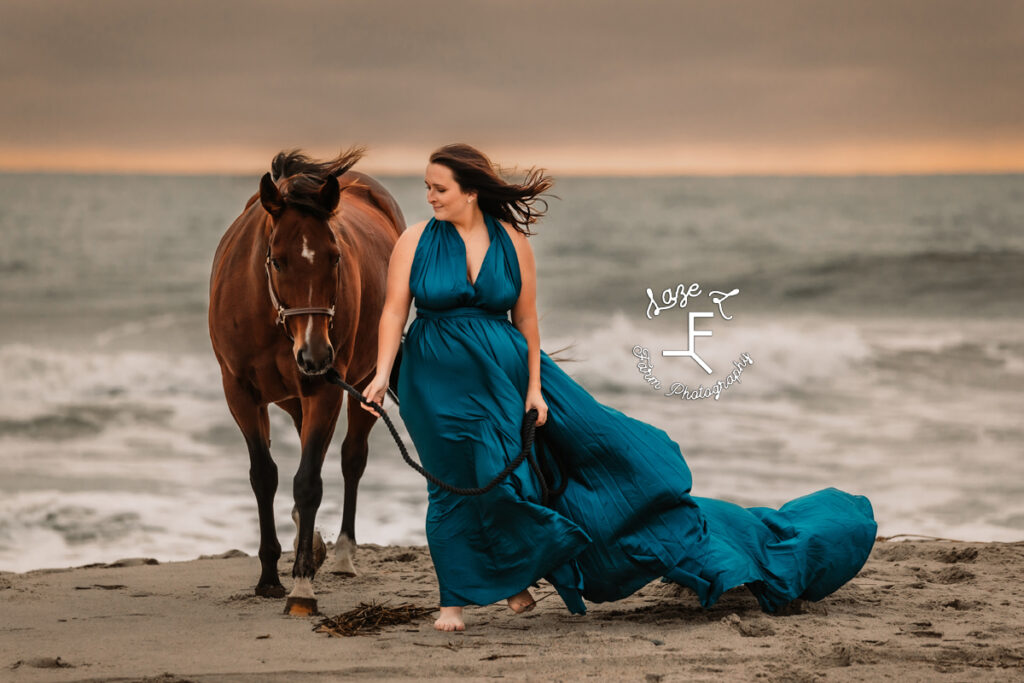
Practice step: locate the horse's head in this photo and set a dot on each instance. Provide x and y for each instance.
(302, 266)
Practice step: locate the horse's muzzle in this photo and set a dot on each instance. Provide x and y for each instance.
(314, 363)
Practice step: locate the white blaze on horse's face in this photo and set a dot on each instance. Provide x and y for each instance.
(306, 255)
(309, 321)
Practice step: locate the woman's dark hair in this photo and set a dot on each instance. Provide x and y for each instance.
(513, 203)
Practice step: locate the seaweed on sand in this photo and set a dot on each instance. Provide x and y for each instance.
(368, 618)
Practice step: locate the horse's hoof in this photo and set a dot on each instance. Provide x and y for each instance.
(300, 607)
(270, 591)
(319, 550)
(343, 566)
(344, 553)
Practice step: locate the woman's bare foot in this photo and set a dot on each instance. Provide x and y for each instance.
(522, 602)
(450, 620)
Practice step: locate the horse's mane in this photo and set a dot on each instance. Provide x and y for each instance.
(302, 177)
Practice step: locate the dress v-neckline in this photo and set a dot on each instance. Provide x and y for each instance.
(465, 253)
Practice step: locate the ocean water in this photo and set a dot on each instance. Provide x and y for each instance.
(882, 316)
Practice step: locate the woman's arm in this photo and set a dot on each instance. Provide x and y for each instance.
(395, 313)
(524, 317)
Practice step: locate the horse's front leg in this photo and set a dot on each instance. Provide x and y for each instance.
(252, 419)
(319, 415)
(353, 463)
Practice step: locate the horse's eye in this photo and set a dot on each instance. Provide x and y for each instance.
(335, 259)
(277, 264)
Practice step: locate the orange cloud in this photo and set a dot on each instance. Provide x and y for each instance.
(710, 159)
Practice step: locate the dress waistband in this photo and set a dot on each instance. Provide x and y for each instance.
(460, 312)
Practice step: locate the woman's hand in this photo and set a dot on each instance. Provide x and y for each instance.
(534, 399)
(375, 391)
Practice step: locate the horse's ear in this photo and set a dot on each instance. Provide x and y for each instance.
(270, 196)
(330, 193)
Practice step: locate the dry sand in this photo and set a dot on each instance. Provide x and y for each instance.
(919, 611)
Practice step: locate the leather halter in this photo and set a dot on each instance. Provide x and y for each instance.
(283, 313)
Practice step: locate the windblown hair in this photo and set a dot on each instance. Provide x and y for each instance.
(300, 178)
(511, 202)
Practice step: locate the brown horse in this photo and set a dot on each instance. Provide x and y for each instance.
(297, 287)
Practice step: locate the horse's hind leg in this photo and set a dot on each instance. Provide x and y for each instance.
(254, 422)
(319, 415)
(353, 462)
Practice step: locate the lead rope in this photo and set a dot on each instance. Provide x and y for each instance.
(527, 434)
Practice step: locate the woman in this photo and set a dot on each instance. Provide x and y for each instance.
(626, 516)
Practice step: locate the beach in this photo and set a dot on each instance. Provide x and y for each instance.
(782, 241)
(116, 441)
(918, 611)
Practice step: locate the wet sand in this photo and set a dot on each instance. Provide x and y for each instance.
(919, 611)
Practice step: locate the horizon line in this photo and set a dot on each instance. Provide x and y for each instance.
(836, 160)
(565, 173)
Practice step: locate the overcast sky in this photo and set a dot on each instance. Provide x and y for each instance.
(589, 86)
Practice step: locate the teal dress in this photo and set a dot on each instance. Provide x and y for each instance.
(626, 516)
